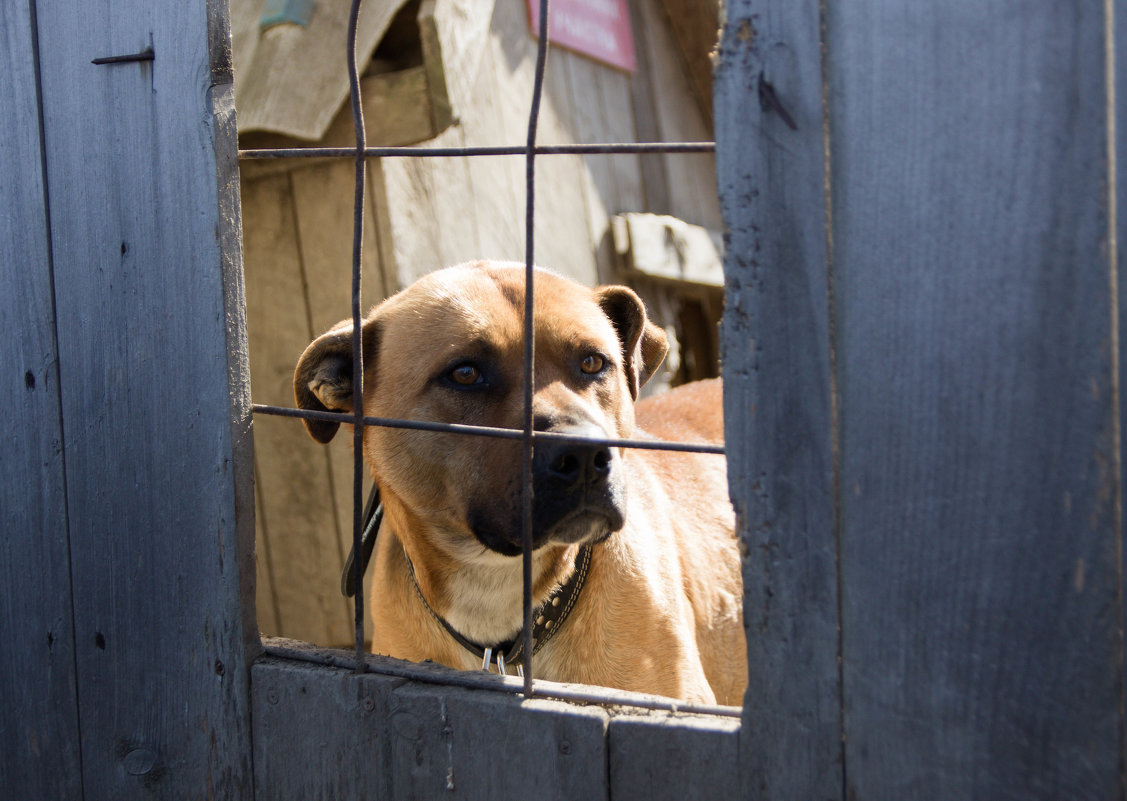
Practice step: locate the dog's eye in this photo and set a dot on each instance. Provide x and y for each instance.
(592, 364)
(466, 374)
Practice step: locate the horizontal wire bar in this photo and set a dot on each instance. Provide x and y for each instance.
(472, 680)
(487, 431)
(513, 150)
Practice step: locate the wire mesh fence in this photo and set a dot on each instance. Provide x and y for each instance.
(527, 436)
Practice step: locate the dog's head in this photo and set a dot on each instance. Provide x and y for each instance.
(449, 349)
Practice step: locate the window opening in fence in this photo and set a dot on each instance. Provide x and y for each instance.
(362, 661)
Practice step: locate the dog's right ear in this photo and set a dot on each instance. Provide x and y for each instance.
(322, 380)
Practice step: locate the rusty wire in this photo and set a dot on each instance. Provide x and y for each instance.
(357, 338)
(611, 148)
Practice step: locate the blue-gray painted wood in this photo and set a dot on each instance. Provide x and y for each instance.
(330, 733)
(777, 395)
(978, 487)
(662, 758)
(140, 181)
(39, 749)
(978, 459)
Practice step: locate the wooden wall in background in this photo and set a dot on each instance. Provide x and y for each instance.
(424, 214)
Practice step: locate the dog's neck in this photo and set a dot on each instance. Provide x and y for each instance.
(479, 595)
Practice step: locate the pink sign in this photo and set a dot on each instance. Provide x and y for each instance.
(596, 28)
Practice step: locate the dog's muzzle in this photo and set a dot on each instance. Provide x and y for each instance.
(576, 492)
(578, 495)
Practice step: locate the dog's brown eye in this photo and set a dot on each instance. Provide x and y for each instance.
(592, 364)
(466, 374)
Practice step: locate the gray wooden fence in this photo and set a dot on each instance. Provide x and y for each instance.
(922, 362)
(923, 321)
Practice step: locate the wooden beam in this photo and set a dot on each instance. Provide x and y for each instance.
(141, 176)
(923, 301)
(696, 26)
(979, 483)
(38, 702)
(778, 399)
(372, 736)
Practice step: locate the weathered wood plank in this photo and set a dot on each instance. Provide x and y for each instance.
(38, 703)
(498, 180)
(691, 177)
(663, 247)
(453, 38)
(146, 308)
(978, 473)
(430, 207)
(443, 211)
(303, 550)
(562, 235)
(319, 733)
(672, 757)
(397, 111)
(778, 398)
(371, 736)
(643, 101)
(286, 82)
(323, 197)
(562, 240)
(694, 24)
(611, 184)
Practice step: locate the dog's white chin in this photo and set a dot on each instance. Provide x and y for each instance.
(490, 593)
(580, 528)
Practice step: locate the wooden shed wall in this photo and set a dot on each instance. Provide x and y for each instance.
(424, 214)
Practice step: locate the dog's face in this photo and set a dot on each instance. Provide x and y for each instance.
(450, 349)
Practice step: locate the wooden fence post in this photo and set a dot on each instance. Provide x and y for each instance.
(38, 718)
(126, 620)
(923, 289)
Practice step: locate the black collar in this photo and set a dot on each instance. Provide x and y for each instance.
(547, 618)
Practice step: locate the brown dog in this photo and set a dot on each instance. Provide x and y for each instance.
(635, 556)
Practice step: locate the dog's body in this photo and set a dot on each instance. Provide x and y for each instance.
(660, 611)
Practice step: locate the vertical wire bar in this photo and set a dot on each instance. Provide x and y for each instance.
(835, 383)
(357, 341)
(1112, 187)
(33, 13)
(529, 349)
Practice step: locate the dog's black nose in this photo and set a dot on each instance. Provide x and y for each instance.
(572, 465)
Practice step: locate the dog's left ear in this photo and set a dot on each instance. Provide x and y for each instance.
(643, 344)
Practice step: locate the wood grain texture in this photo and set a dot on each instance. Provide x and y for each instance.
(662, 758)
(370, 736)
(562, 233)
(643, 103)
(291, 77)
(301, 540)
(979, 485)
(38, 705)
(691, 176)
(322, 197)
(695, 24)
(139, 195)
(777, 409)
(397, 111)
(600, 102)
